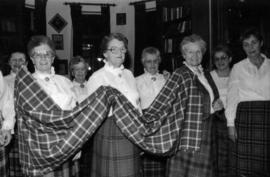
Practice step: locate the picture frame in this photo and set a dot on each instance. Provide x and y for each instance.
(58, 40)
(121, 19)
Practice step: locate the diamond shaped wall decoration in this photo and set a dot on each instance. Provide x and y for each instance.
(58, 23)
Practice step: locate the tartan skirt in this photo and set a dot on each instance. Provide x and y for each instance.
(153, 166)
(113, 154)
(221, 144)
(251, 152)
(3, 162)
(15, 169)
(195, 164)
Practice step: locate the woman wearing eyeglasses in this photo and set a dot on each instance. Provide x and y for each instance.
(42, 53)
(222, 57)
(113, 154)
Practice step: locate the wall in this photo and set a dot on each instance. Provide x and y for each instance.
(122, 6)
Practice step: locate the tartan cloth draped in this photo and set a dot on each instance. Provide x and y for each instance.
(48, 135)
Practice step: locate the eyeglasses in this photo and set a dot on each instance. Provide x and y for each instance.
(222, 58)
(116, 50)
(42, 55)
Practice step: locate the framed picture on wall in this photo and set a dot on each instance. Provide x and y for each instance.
(58, 40)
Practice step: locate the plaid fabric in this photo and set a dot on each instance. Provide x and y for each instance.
(194, 164)
(191, 109)
(221, 144)
(251, 152)
(86, 159)
(153, 166)
(14, 161)
(48, 136)
(180, 99)
(113, 154)
(3, 162)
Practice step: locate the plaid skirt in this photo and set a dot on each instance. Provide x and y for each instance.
(221, 144)
(251, 152)
(195, 164)
(153, 166)
(113, 154)
(3, 162)
(14, 160)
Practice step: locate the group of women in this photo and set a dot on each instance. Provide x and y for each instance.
(211, 106)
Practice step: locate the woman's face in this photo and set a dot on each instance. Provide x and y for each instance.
(42, 58)
(16, 60)
(115, 53)
(252, 46)
(151, 63)
(222, 60)
(192, 53)
(79, 72)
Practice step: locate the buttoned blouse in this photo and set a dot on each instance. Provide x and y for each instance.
(247, 83)
(222, 85)
(80, 90)
(118, 78)
(58, 87)
(148, 87)
(6, 105)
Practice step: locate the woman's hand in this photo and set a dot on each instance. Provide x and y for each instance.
(5, 137)
(232, 133)
(166, 74)
(218, 105)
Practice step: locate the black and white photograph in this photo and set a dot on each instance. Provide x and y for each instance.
(134, 88)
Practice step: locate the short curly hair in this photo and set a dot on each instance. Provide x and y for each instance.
(194, 38)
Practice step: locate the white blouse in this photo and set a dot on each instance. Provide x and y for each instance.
(222, 85)
(118, 78)
(80, 90)
(149, 86)
(6, 105)
(58, 87)
(247, 83)
(10, 80)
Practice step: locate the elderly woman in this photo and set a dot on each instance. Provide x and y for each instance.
(7, 121)
(42, 53)
(113, 154)
(17, 59)
(248, 107)
(78, 68)
(195, 100)
(149, 85)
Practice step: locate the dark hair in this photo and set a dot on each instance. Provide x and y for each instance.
(152, 51)
(107, 39)
(38, 40)
(75, 60)
(192, 39)
(17, 51)
(222, 48)
(251, 32)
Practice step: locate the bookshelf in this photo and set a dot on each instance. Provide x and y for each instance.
(176, 23)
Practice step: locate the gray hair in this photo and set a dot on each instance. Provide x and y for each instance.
(152, 51)
(194, 38)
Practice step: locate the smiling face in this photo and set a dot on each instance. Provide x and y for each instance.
(151, 63)
(115, 53)
(252, 46)
(16, 60)
(222, 60)
(79, 71)
(42, 58)
(192, 54)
